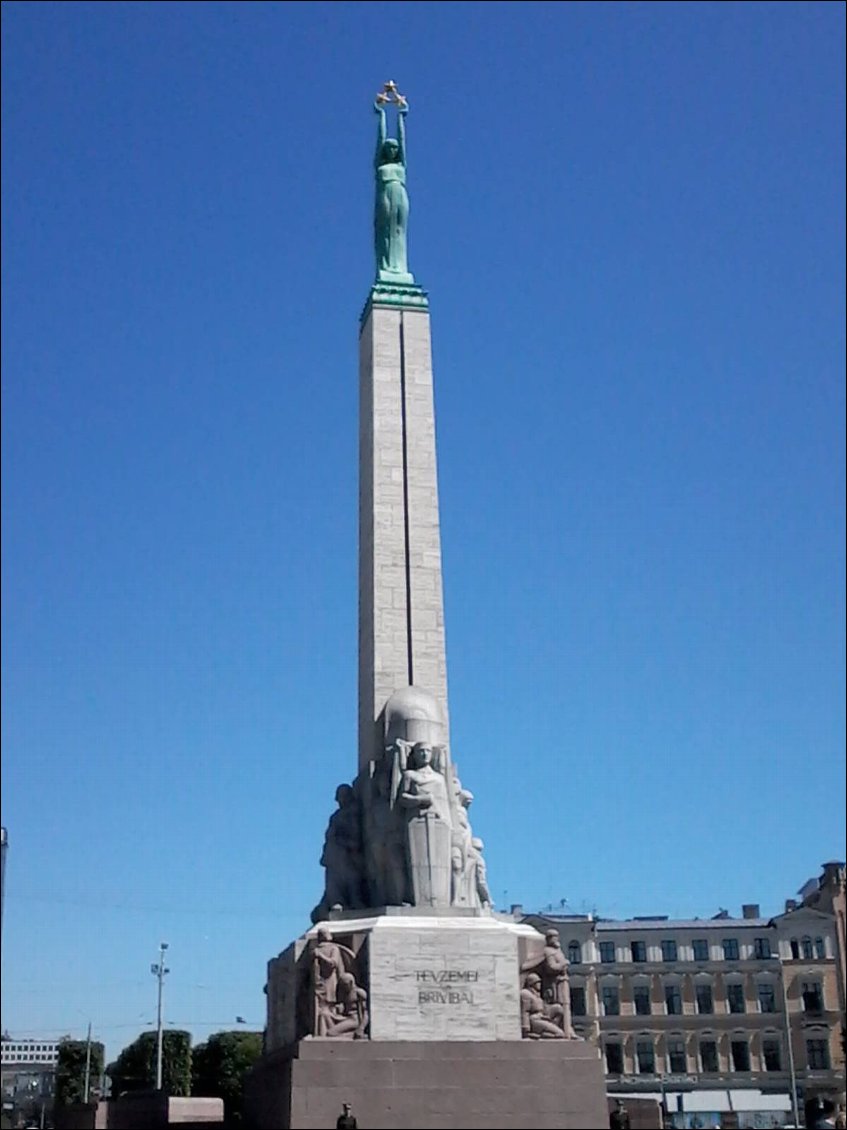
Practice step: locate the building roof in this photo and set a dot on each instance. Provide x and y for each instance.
(639, 925)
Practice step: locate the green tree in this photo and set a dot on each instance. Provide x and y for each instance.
(219, 1066)
(70, 1070)
(135, 1067)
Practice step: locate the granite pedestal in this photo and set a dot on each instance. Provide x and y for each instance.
(431, 1085)
(445, 1046)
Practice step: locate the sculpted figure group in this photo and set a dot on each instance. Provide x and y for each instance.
(401, 836)
(340, 1004)
(545, 995)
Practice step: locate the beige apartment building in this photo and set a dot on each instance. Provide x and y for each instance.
(700, 1012)
(828, 894)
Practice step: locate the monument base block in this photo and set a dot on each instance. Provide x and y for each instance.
(430, 1085)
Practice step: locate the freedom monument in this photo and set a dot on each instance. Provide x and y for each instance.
(410, 998)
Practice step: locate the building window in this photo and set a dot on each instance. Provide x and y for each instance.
(705, 1004)
(669, 950)
(611, 1001)
(607, 952)
(767, 997)
(735, 998)
(817, 1054)
(806, 949)
(677, 1064)
(638, 951)
(614, 1059)
(772, 1052)
(820, 948)
(646, 1057)
(577, 1000)
(641, 999)
(762, 947)
(812, 992)
(701, 949)
(795, 950)
(673, 1000)
(740, 1055)
(730, 949)
(574, 953)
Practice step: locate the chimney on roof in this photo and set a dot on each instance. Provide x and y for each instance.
(832, 873)
(790, 904)
(750, 910)
(517, 910)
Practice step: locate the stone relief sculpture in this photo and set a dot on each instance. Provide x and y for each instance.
(351, 1013)
(401, 834)
(546, 977)
(339, 1003)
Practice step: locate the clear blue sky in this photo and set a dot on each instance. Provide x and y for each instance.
(630, 221)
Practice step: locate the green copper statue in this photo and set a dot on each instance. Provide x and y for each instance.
(391, 207)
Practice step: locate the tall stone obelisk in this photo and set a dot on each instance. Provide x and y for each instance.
(401, 613)
(401, 835)
(410, 998)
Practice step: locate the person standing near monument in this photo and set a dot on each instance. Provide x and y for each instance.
(345, 1120)
(619, 1118)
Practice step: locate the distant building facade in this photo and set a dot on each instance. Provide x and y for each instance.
(25, 1052)
(28, 1079)
(694, 1012)
(827, 894)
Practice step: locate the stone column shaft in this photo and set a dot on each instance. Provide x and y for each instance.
(401, 615)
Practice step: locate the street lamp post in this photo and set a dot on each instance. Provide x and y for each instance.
(87, 1088)
(792, 1071)
(159, 972)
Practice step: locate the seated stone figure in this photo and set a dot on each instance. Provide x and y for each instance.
(351, 1010)
(539, 1020)
(551, 968)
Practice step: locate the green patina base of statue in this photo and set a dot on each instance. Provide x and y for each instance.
(399, 296)
(395, 284)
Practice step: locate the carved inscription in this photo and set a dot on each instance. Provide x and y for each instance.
(446, 986)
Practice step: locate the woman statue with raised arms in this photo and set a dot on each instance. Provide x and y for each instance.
(391, 207)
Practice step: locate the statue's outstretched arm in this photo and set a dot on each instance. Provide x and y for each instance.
(381, 131)
(403, 110)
